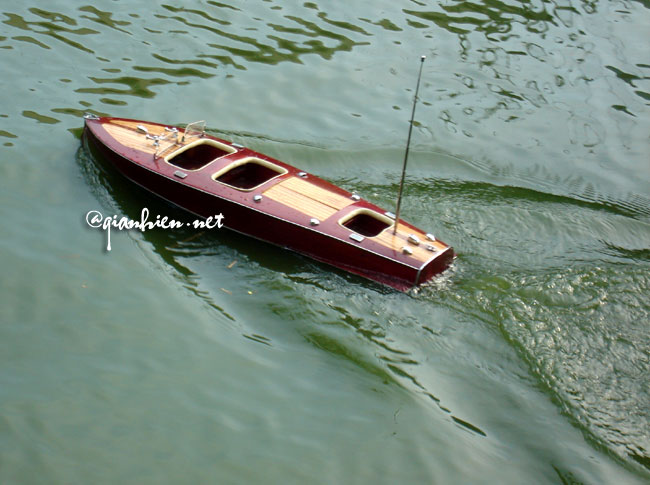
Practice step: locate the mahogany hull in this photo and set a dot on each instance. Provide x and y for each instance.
(272, 223)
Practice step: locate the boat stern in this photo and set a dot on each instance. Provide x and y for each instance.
(436, 265)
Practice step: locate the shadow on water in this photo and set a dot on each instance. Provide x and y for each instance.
(287, 285)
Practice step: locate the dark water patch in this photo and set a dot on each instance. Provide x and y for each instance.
(642, 459)
(260, 339)
(104, 18)
(181, 72)
(489, 17)
(286, 48)
(626, 77)
(623, 109)
(384, 23)
(341, 24)
(468, 426)
(567, 477)
(77, 114)
(635, 207)
(112, 102)
(199, 13)
(199, 62)
(628, 254)
(223, 5)
(336, 347)
(31, 40)
(40, 117)
(135, 86)
(53, 16)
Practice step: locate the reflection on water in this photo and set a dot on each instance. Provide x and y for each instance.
(54, 26)
(513, 61)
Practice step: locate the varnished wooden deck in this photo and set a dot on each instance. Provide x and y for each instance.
(314, 201)
(308, 198)
(399, 240)
(126, 132)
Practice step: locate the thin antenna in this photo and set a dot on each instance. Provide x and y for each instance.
(408, 143)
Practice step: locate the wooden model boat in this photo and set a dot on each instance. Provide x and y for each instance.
(267, 199)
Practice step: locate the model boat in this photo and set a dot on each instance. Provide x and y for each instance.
(268, 199)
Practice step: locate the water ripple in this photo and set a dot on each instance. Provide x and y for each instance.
(104, 18)
(531, 158)
(52, 29)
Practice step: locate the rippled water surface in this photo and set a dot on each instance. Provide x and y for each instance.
(206, 357)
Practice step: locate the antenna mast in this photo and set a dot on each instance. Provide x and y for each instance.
(408, 142)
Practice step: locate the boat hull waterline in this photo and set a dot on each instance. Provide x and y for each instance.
(268, 199)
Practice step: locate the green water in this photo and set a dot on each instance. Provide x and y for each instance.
(204, 357)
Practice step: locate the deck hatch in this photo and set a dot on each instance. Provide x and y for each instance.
(198, 154)
(248, 173)
(366, 222)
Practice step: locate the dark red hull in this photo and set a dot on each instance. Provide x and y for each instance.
(270, 220)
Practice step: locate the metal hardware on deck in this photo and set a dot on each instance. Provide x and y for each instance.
(179, 174)
(90, 116)
(302, 174)
(257, 198)
(407, 250)
(170, 131)
(430, 248)
(155, 138)
(389, 214)
(237, 145)
(431, 237)
(314, 222)
(356, 237)
(355, 197)
(174, 131)
(413, 239)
